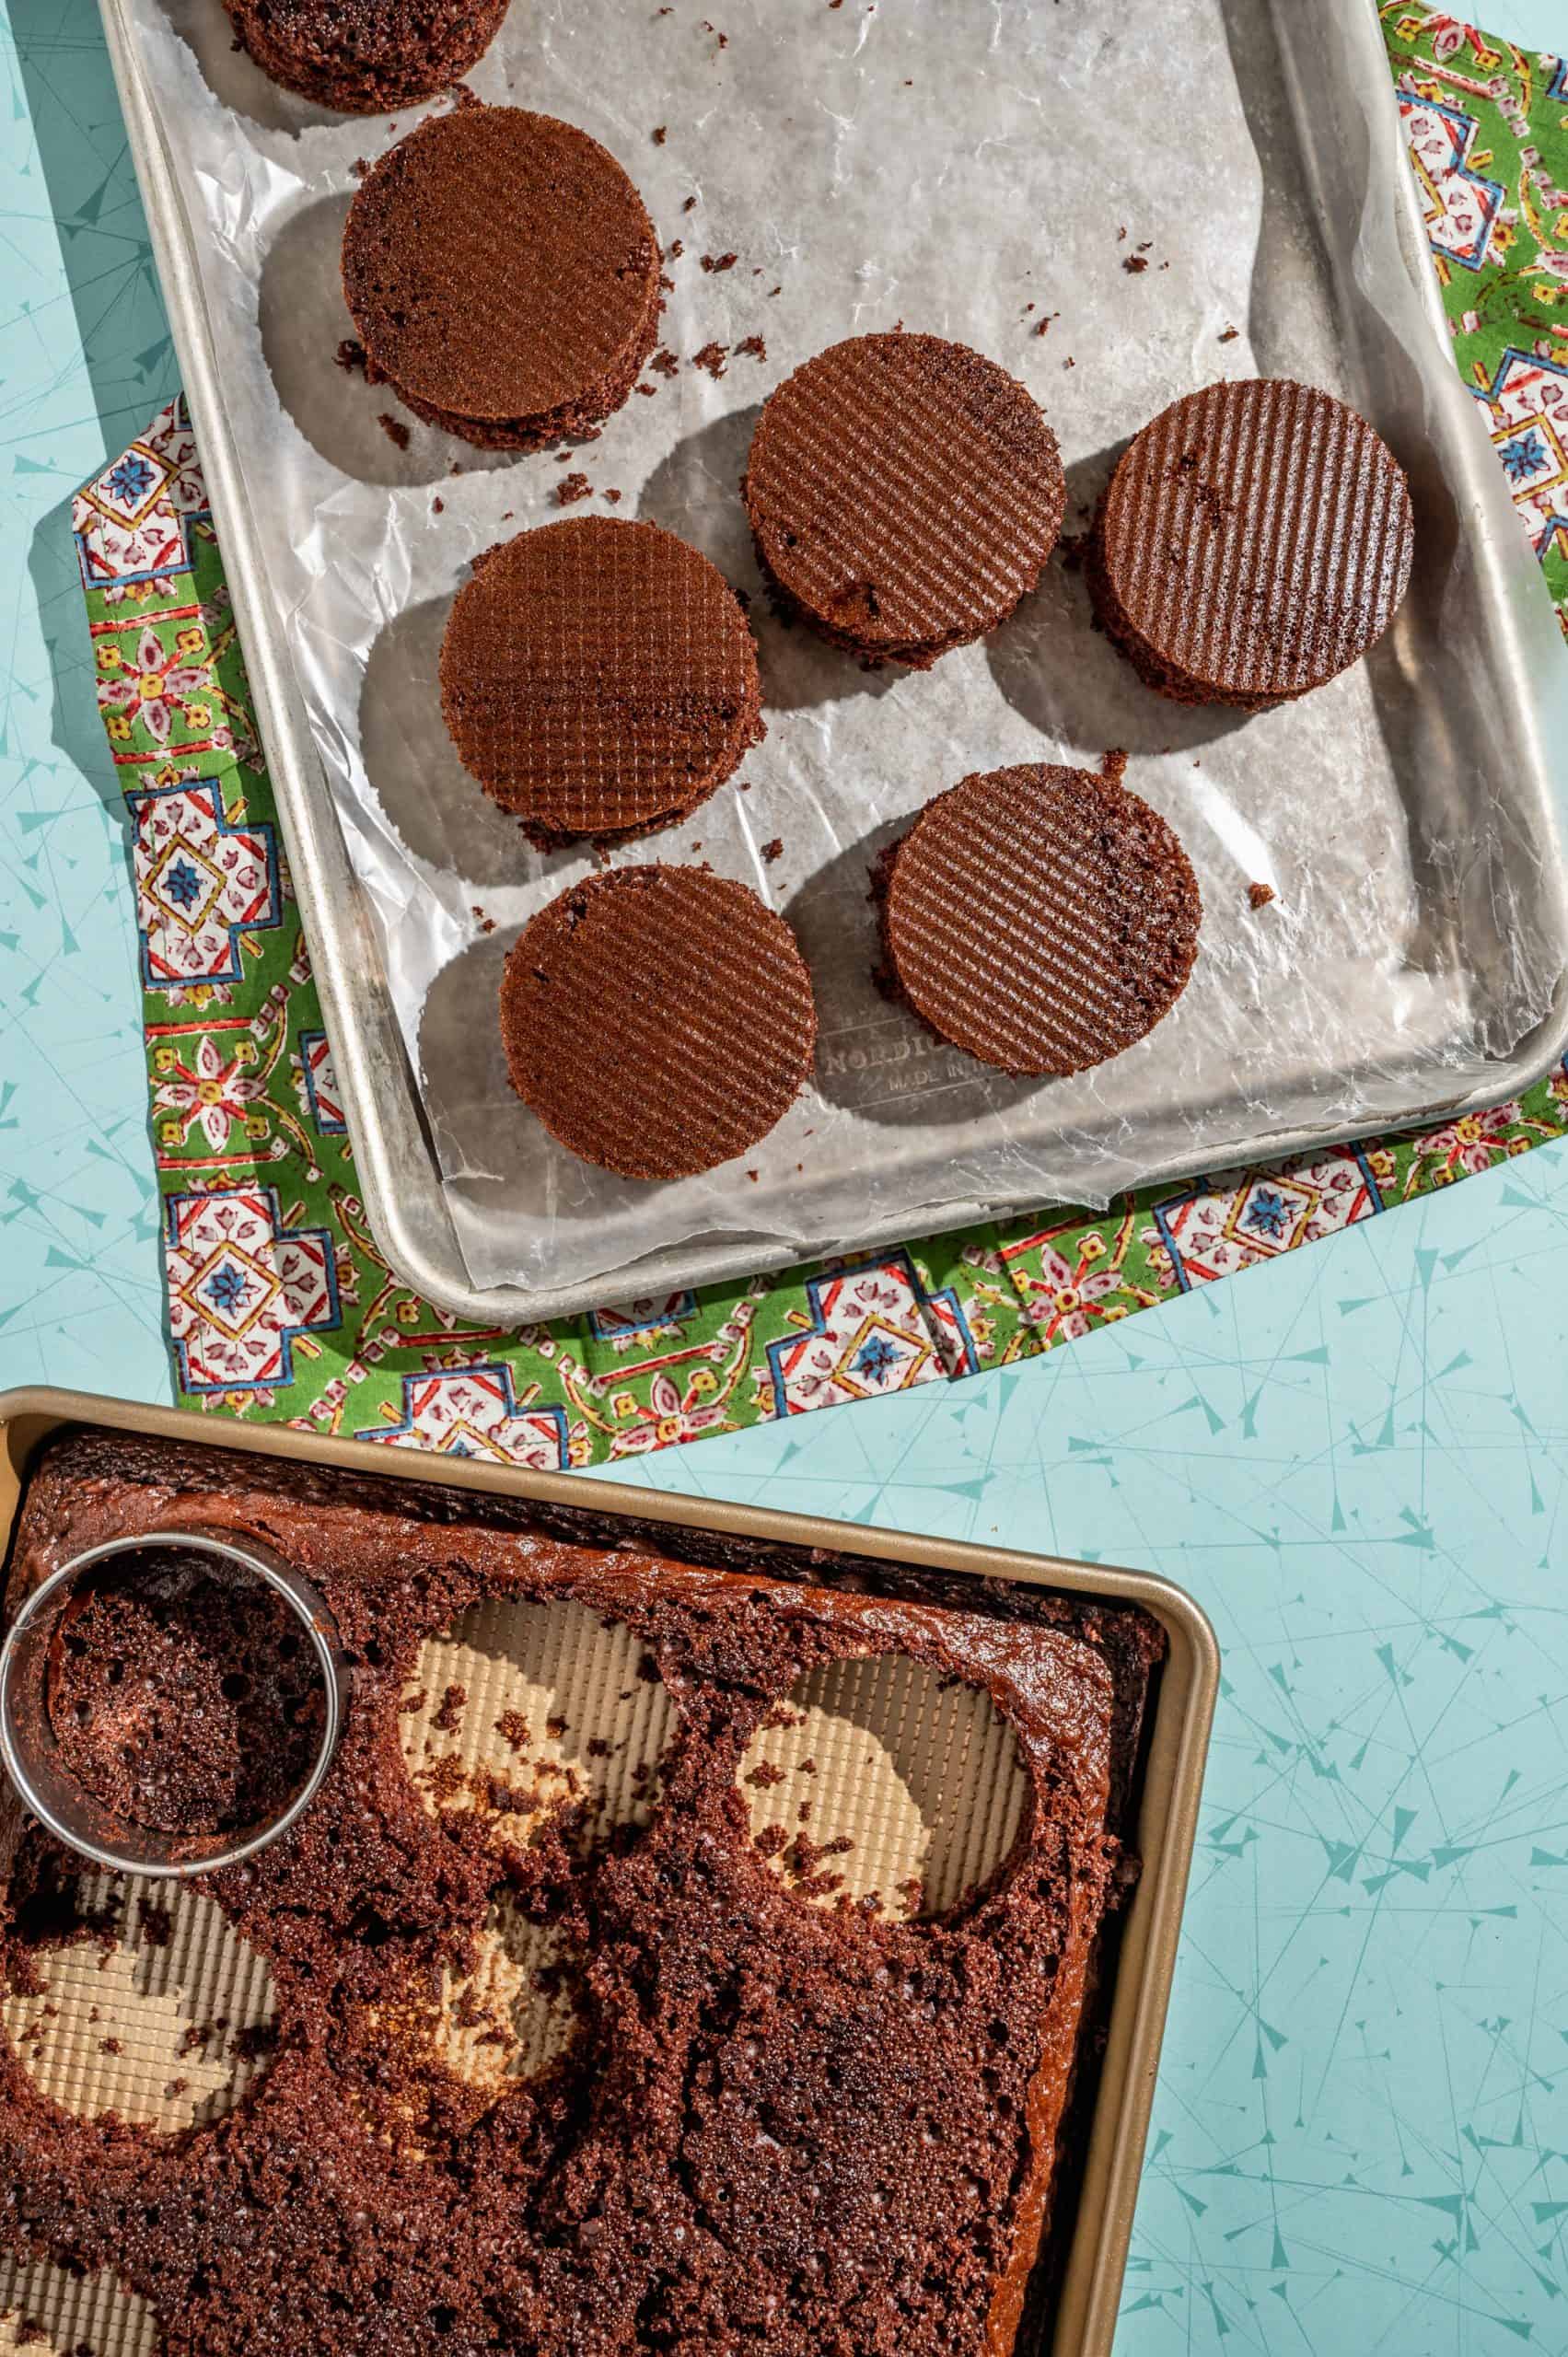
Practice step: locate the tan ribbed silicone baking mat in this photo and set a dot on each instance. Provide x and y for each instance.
(880, 1782)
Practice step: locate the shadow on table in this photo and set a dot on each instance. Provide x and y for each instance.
(89, 188)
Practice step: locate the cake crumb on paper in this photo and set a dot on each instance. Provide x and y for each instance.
(1260, 895)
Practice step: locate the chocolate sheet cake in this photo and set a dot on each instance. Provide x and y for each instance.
(658, 1020)
(598, 677)
(789, 2127)
(1042, 918)
(366, 57)
(904, 492)
(1254, 542)
(504, 277)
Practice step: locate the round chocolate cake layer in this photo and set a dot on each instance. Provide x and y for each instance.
(599, 678)
(504, 277)
(366, 57)
(1255, 541)
(1042, 919)
(658, 1020)
(903, 492)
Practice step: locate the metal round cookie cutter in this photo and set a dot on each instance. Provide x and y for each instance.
(27, 1739)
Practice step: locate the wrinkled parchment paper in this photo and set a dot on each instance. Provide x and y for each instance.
(983, 170)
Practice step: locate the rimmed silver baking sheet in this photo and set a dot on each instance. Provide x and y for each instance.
(980, 171)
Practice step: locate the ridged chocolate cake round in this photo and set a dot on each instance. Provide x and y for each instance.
(366, 57)
(903, 492)
(1255, 541)
(658, 1020)
(503, 273)
(599, 678)
(1042, 919)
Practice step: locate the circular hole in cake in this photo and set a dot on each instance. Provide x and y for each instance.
(47, 2310)
(165, 2018)
(514, 2014)
(882, 1784)
(522, 1711)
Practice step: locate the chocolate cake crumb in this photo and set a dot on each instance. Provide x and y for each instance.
(359, 167)
(774, 851)
(1134, 262)
(393, 428)
(1228, 335)
(411, 1704)
(664, 362)
(660, 135)
(712, 262)
(1260, 895)
(572, 488)
(754, 346)
(613, 497)
(156, 1924)
(514, 1731)
(112, 2046)
(438, 506)
(646, 391)
(449, 1718)
(173, 2087)
(676, 249)
(350, 353)
(182, 1697)
(712, 358)
(690, 205)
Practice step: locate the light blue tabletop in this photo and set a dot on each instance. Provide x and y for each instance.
(1357, 1459)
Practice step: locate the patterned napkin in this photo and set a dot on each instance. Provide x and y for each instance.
(281, 1307)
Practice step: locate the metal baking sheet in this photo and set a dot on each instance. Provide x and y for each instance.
(969, 170)
(1166, 1811)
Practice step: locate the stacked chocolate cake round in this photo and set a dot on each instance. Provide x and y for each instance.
(599, 678)
(1043, 918)
(1255, 541)
(658, 1020)
(504, 277)
(904, 492)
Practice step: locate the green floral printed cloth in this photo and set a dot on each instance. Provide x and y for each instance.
(280, 1306)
